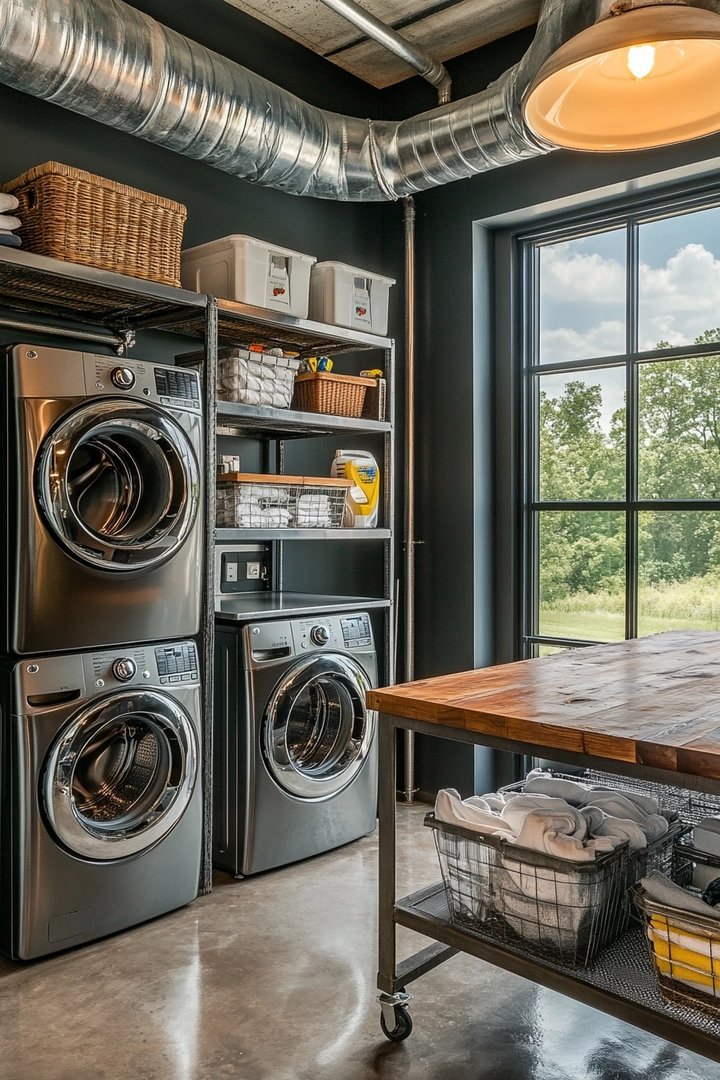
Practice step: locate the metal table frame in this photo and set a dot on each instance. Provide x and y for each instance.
(448, 939)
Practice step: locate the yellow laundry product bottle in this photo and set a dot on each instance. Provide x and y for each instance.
(363, 498)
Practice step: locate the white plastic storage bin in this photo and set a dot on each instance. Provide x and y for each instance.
(250, 271)
(347, 296)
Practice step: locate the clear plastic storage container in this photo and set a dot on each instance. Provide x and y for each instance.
(250, 271)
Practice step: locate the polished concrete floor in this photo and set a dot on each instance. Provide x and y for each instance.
(272, 978)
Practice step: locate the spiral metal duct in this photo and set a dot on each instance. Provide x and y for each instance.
(106, 60)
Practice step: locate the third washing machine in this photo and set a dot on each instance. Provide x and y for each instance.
(295, 757)
(100, 481)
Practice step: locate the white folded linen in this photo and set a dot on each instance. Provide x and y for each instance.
(8, 202)
(579, 794)
(514, 813)
(450, 807)
(664, 891)
(556, 832)
(8, 223)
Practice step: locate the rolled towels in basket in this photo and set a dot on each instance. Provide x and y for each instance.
(8, 203)
(8, 223)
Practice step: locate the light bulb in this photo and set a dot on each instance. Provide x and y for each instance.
(641, 60)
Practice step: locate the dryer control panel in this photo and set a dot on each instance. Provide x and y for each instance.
(84, 675)
(269, 642)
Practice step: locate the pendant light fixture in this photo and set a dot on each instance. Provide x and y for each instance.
(644, 77)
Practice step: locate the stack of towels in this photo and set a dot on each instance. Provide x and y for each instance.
(8, 222)
(253, 506)
(560, 817)
(687, 952)
(313, 512)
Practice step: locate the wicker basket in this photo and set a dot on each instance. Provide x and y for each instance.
(72, 215)
(321, 392)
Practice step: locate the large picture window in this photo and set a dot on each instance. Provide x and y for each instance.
(622, 428)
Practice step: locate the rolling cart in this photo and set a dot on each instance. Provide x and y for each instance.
(646, 708)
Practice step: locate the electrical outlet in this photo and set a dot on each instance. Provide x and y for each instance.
(253, 570)
(231, 571)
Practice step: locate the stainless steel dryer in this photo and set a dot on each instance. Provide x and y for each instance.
(101, 797)
(295, 757)
(101, 492)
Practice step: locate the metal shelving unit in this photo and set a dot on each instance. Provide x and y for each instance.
(240, 324)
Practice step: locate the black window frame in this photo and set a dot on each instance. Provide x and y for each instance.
(527, 252)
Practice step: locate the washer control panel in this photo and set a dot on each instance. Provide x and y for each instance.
(178, 388)
(50, 680)
(177, 663)
(356, 630)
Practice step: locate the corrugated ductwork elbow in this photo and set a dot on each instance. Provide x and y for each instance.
(108, 61)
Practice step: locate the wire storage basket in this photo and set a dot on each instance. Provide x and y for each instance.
(560, 910)
(555, 908)
(72, 215)
(324, 392)
(685, 951)
(257, 501)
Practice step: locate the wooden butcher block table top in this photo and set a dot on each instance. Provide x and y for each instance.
(653, 701)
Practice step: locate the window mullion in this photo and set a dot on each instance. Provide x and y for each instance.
(631, 434)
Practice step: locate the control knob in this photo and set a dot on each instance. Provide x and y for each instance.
(123, 378)
(320, 635)
(123, 668)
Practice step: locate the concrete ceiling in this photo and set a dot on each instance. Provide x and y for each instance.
(444, 28)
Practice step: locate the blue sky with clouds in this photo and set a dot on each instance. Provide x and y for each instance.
(582, 296)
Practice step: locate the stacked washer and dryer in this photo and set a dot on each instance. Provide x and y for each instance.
(101, 545)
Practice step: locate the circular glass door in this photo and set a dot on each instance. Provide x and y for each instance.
(118, 484)
(120, 775)
(317, 732)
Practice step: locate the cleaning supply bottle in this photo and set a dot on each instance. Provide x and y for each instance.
(363, 498)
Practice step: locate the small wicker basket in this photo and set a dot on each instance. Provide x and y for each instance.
(72, 215)
(322, 392)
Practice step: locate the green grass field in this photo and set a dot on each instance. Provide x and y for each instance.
(693, 604)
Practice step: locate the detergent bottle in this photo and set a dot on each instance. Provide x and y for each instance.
(361, 508)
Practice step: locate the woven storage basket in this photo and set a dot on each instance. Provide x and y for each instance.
(321, 392)
(72, 215)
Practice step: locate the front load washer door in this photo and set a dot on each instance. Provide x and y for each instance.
(118, 485)
(120, 775)
(317, 732)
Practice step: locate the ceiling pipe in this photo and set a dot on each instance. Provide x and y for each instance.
(425, 64)
(109, 61)
(112, 63)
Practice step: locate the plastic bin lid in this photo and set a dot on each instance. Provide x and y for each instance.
(230, 241)
(353, 270)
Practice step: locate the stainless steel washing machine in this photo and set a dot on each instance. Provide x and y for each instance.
(101, 796)
(100, 485)
(295, 756)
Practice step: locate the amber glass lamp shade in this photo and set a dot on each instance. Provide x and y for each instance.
(646, 78)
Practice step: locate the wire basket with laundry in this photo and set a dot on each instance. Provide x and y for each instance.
(257, 501)
(545, 864)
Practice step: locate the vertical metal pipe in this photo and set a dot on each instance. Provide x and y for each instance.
(409, 222)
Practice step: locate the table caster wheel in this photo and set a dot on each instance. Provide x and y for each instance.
(403, 1025)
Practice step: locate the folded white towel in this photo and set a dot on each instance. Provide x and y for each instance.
(515, 812)
(450, 807)
(8, 223)
(8, 202)
(579, 794)
(616, 804)
(664, 891)
(556, 832)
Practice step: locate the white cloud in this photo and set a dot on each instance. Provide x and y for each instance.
(678, 301)
(582, 276)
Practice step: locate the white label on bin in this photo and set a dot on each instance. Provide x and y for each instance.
(361, 301)
(279, 283)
